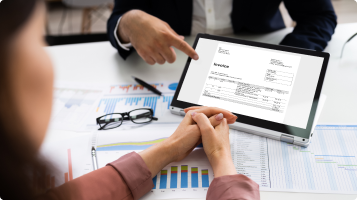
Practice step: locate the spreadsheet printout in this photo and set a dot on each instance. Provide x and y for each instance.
(328, 165)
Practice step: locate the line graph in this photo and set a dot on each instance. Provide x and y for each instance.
(129, 145)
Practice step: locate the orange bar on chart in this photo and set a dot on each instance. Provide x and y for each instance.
(70, 165)
(52, 182)
(65, 177)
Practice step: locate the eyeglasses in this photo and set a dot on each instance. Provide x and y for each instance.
(114, 120)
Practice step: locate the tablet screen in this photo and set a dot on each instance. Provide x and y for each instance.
(267, 84)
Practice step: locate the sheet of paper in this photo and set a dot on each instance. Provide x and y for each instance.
(120, 98)
(328, 165)
(72, 102)
(189, 178)
(77, 105)
(68, 159)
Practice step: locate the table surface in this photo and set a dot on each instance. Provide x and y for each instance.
(100, 63)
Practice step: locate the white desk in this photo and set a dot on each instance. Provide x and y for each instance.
(99, 62)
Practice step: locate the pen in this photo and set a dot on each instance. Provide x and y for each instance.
(148, 86)
(94, 159)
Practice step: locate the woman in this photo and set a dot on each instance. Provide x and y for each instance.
(26, 98)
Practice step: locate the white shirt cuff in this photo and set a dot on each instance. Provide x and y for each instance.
(123, 46)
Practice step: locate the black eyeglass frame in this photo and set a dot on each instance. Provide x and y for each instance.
(125, 116)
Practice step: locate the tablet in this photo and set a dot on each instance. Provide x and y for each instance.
(274, 90)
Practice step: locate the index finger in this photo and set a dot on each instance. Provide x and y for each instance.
(193, 108)
(203, 123)
(187, 120)
(184, 47)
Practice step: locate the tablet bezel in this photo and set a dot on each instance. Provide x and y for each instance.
(291, 130)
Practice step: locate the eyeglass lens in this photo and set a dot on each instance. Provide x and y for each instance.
(140, 116)
(110, 121)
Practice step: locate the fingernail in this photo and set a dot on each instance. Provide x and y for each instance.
(219, 117)
(195, 57)
(193, 114)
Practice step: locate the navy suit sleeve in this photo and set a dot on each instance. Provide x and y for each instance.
(120, 8)
(315, 23)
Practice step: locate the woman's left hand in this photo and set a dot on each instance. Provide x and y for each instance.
(186, 137)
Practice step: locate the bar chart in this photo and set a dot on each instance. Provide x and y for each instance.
(189, 178)
(197, 177)
(125, 103)
(42, 180)
(71, 158)
(119, 98)
(111, 105)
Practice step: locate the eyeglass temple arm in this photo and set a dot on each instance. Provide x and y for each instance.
(143, 115)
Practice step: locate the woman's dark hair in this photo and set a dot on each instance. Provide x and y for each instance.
(18, 160)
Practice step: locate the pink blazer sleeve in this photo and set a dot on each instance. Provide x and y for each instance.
(126, 178)
(233, 187)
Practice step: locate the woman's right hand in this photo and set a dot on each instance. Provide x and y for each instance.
(216, 143)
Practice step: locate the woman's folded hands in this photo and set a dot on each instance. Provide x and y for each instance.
(208, 125)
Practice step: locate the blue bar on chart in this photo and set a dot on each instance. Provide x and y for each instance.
(184, 176)
(194, 177)
(173, 182)
(205, 179)
(154, 180)
(163, 179)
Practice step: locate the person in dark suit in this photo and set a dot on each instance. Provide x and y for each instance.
(153, 27)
